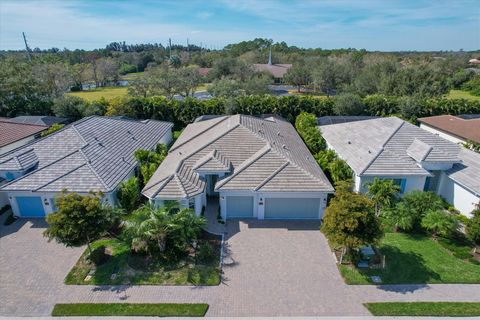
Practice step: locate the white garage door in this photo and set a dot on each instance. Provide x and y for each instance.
(239, 207)
(292, 208)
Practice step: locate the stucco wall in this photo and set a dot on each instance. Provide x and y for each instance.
(412, 182)
(462, 199)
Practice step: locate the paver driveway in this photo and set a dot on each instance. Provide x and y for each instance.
(272, 268)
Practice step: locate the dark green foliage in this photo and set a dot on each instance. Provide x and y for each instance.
(473, 226)
(335, 168)
(166, 230)
(205, 252)
(400, 217)
(52, 129)
(420, 202)
(79, 220)
(149, 161)
(306, 125)
(128, 194)
(70, 107)
(348, 104)
(473, 85)
(350, 220)
(440, 222)
(383, 193)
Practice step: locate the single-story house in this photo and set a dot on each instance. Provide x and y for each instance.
(390, 148)
(92, 154)
(252, 167)
(458, 129)
(14, 135)
(47, 121)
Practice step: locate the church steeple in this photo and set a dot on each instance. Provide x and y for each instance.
(270, 56)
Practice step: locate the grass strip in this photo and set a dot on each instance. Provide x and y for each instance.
(131, 309)
(433, 309)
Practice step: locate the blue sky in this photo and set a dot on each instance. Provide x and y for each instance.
(387, 25)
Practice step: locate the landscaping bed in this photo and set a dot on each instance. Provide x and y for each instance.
(122, 266)
(418, 259)
(131, 309)
(433, 309)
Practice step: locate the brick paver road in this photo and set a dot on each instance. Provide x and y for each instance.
(272, 268)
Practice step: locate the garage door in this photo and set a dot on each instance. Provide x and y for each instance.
(239, 207)
(292, 208)
(30, 207)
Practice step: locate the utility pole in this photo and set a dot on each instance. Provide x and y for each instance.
(29, 55)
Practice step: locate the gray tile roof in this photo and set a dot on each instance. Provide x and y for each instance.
(467, 173)
(95, 153)
(39, 120)
(264, 155)
(380, 146)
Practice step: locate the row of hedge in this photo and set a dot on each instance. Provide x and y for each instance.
(289, 107)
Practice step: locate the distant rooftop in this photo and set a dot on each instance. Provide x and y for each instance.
(466, 127)
(277, 70)
(39, 120)
(341, 119)
(11, 132)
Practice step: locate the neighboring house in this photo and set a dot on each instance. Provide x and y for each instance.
(15, 135)
(92, 154)
(253, 167)
(458, 129)
(390, 148)
(47, 121)
(276, 70)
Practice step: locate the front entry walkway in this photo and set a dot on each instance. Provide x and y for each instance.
(271, 268)
(211, 214)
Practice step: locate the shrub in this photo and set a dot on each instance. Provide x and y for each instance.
(440, 222)
(420, 202)
(400, 217)
(473, 226)
(306, 125)
(128, 194)
(205, 252)
(348, 104)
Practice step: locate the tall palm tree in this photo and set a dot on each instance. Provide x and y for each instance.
(382, 192)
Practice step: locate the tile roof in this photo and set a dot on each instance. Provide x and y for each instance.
(264, 155)
(11, 132)
(467, 173)
(467, 127)
(382, 146)
(95, 153)
(39, 120)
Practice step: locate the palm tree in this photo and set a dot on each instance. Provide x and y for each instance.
(400, 216)
(382, 192)
(148, 226)
(439, 222)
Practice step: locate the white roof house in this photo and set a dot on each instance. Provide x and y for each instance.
(415, 158)
(92, 154)
(253, 165)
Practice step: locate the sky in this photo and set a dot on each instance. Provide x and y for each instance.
(386, 25)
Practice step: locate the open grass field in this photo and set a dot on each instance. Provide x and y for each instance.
(131, 309)
(460, 94)
(432, 309)
(143, 270)
(415, 259)
(96, 94)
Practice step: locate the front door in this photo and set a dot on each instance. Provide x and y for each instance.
(211, 181)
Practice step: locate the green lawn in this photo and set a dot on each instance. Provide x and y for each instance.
(140, 270)
(131, 76)
(460, 94)
(106, 92)
(131, 309)
(415, 259)
(433, 309)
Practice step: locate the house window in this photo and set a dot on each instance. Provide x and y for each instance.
(401, 183)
